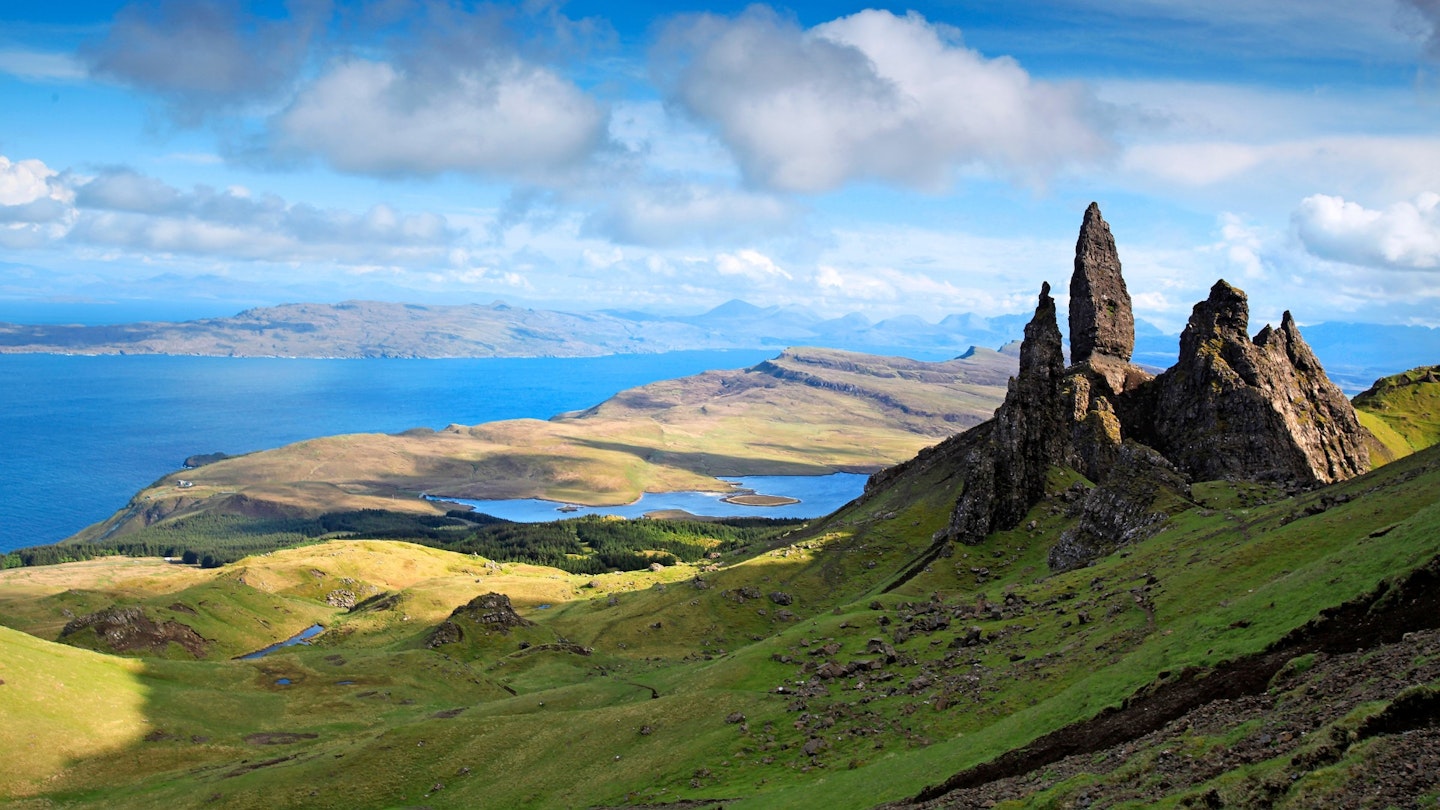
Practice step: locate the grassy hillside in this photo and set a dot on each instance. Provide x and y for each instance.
(841, 666)
(59, 705)
(1402, 411)
(807, 412)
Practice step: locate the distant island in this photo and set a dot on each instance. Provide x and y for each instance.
(1354, 354)
(354, 329)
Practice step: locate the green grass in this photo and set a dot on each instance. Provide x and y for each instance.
(556, 729)
(1402, 411)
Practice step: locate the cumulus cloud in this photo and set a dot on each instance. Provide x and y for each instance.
(425, 87)
(871, 95)
(120, 208)
(1403, 236)
(506, 117)
(26, 181)
(35, 203)
(205, 54)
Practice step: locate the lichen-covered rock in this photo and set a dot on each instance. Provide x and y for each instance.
(1096, 439)
(1124, 509)
(1260, 409)
(1006, 474)
(1101, 320)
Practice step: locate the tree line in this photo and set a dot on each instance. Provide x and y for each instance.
(582, 545)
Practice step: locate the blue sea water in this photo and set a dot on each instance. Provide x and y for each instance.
(816, 495)
(80, 435)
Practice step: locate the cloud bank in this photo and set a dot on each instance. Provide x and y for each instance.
(871, 96)
(123, 209)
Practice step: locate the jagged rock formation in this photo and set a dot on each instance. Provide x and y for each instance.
(1124, 510)
(1259, 409)
(1232, 407)
(1027, 437)
(1101, 320)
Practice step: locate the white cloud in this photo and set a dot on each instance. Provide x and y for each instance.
(1370, 162)
(25, 181)
(510, 119)
(35, 204)
(120, 209)
(875, 96)
(751, 264)
(1405, 235)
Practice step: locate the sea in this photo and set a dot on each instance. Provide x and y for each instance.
(80, 435)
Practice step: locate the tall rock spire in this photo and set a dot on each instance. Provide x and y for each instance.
(1101, 320)
(1026, 437)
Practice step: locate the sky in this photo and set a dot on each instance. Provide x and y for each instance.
(926, 159)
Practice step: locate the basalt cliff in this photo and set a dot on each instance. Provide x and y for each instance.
(1233, 407)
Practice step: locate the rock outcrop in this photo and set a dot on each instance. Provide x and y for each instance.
(1232, 407)
(488, 613)
(1126, 509)
(1101, 320)
(129, 630)
(1028, 436)
(1260, 409)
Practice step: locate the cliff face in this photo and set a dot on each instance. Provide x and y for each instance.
(1259, 409)
(1231, 407)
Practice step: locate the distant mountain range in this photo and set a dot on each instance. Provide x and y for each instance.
(379, 329)
(1353, 354)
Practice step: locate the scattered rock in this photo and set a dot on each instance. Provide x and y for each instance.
(341, 598)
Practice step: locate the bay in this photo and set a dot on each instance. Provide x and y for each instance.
(80, 435)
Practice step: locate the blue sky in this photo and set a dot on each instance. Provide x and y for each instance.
(926, 158)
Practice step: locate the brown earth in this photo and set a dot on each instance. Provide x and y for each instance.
(1370, 649)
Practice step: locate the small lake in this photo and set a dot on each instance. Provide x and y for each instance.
(302, 637)
(817, 495)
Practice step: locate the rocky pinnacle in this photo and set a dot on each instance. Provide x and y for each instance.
(1101, 320)
(1026, 437)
